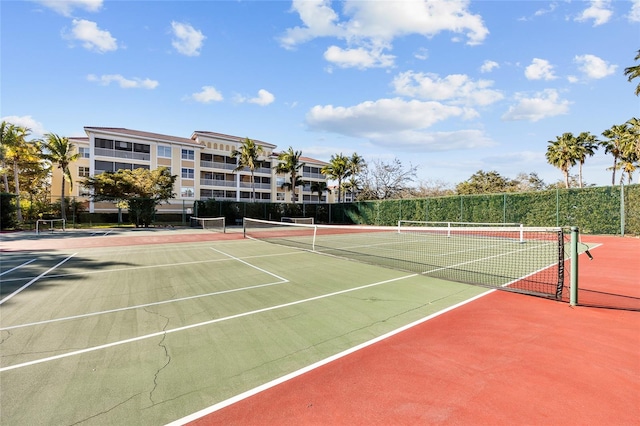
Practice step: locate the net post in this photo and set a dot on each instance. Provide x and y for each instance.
(573, 298)
(522, 233)
(315, 230)
(244, 228)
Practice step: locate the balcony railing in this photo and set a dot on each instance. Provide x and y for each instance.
(217, 182)
(313, 175)
(122, 154)
(258, 185)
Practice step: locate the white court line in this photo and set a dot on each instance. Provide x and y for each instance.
(248, 264)
(164, 265)
(200, 324)
(110, 311)
(280, 380)
(35, 279)
(18, 267)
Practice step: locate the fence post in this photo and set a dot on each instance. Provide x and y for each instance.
(573, 299)
(622, 209)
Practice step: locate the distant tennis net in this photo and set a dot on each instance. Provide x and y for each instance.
(522, 259)
(209, 223)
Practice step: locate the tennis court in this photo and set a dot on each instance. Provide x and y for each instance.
(148, 327)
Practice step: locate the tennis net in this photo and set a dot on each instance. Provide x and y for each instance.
(209, 223)
(522, 259)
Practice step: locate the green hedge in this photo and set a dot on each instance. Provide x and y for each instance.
(595, 210)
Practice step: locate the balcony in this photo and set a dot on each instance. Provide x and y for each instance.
(122, 154)
(218, 182)
(258, 185)
(217, 165)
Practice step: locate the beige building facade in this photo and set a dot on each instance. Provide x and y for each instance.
(203, 164)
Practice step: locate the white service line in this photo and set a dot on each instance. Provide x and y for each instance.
(200, 324)
(110, 311)
(17, 267)
(280, 380)
(248, 264)
(35, 279)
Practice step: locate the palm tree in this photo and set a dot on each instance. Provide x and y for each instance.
(60, 152)
(634, 72)
(248, 156)
(289, 162)
(586, 146)
(7, 135)
(17, 150)
(562, 153)
(356, 166)
(614, 145)
(320, 187)
(338, 168)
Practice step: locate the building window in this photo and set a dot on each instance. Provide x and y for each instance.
(188, 154)
(84, 191)
(187, 192)
(164, 151)
(280, 196)
(83, 172)
(84, 152)
(187, 173)
(280, 182)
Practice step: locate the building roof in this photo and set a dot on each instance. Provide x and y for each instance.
(228, 137)
(142, 134)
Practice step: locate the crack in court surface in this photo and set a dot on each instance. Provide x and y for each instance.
(166, 354)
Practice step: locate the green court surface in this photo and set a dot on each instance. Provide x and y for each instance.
(149, 334)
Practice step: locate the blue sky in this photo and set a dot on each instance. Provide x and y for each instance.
(449, 87)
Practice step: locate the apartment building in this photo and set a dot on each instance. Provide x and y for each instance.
(203, 164)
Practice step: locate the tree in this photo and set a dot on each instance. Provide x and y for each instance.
(529, 182)
(382, 181)
(432, 188)
(248, 156)
(289, 163)
(482, 182)
(338, 169)
(586, 146)
(562, 153)
(60, 152)
(141, 189)
(17, 151)
(614, 145)
(356, 166)
(634, 72)
(320, 187)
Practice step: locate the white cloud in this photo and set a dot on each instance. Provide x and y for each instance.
(373, 118)
(599, 11)
(540, 69)
(264, 98)
(551, 8)
(542, 105)
(423, 53)
(421, 141)
(371, 26)
(206, 95)
(456, 88)
(66, 7)
(37, 129)
(92, 37)
(634, 13)
(594, 67)
(358, 58)
(188, 40)
(134, 83)
(488, 66)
